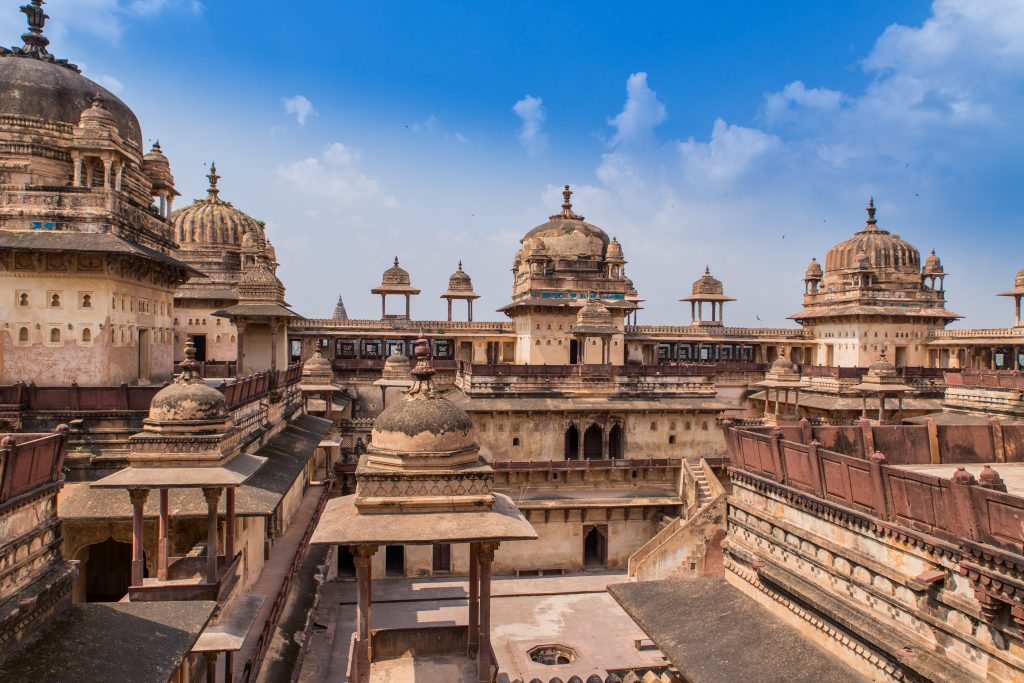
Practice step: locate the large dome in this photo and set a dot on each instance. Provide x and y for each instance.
(567, 235)
(53, 92)
(882, 249)
(211, 221)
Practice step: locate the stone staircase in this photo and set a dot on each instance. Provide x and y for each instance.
(704, 494)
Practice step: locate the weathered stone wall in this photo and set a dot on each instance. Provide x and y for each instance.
(918, 613)
(192, 319)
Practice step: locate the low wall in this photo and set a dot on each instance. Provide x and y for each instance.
(393, 643)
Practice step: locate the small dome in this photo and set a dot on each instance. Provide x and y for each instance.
(813, 270)
(782, 365)
(188, 398)
(567, 235)
(317, 369)
(214, 222)
(396, 366)
(460, 281)
(932, 264)
(271, 254)
(882, 368)
(614, 251)
(396, 275)
(594, 314)
(630, 287)
(1018, 281)
(423, 422)
(97, 116)
(259, 282)
(157, 169)
(707, 284)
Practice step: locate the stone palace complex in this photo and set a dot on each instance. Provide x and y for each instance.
(198, 483)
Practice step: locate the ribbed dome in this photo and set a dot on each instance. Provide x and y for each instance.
(157, 168)
(396, 366)
(97, 116)
(813, 270)
(614, 251)
(782, 365)
(260, 283)
(317, 369)
(460, 281)
(707, 284)
(881, 250)
(932, 264)
(396, 275)
(213, 222)
(188, 398)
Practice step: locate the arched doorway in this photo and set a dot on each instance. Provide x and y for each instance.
(615, 442)
(108, 573)
(595, 546)
(574, 352)
(592, 442)
(572, 443)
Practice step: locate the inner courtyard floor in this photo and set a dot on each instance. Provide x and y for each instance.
(574, 611)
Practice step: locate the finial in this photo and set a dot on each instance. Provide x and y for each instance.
(190, 366)
(212, 175)
(567, 211)
(35, 41)
(319, 347)
(871, 211)
(423, 370)
(156, 146)
(97, 101)
(460, 264)
(707, 270)
(396, 262)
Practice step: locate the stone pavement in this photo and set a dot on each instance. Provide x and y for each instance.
(573, 610)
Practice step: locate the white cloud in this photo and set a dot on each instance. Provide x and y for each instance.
(431, 126)
(642, 113)
(110, 83)
(301, 107)
(106, 19)
(530, 111)
(797, 95)
(336, 175)
(730, 152)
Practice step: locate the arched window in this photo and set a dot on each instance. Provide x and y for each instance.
(23, 334)
(232, 337)
(654, 426)
(55, 335)
(87, 335)
(704, 426)
(55, 301)
(515, 442)
(23, 299)
(672, 440)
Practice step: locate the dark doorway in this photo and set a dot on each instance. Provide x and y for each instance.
(574, 352)
(615, 442)
(595, 547)
(572, 443)
(346, 563)
(394, 560)
(592, 442)
(199, 341)
(442, 558)
(108, 572)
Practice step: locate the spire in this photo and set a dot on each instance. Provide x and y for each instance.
(339, 310)
(35, 41)
(871, 214)
(460, 264)
(213, 192)
(396, 262)
(567, 211)
(190, 366)
(156, 147)
(707, 270)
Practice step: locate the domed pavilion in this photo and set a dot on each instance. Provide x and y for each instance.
(396, 281)
(873, 297)
(460, 286)
(707, 290)
(423, 483)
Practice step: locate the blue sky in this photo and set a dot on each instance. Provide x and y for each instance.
(745, 136)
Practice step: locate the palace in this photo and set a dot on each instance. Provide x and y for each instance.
(189, 464)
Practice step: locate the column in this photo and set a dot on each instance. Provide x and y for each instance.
(361, 556)
(579, 442)
(229, 525)
(604, 440)
(407, 307)
(474, 598)
(470, 301)
(163, 547)
(240, 351)
(383, 306)
(450, 309)
(273, 345)
(107, 174)
(211, 667)
(881, 407)
(212, 496)
(483, 655)
(138, 498)
(78, 172)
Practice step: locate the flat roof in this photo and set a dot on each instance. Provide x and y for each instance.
(130, 642)
(713, 633)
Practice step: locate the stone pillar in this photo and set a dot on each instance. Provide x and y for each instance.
(164, 544)
(240, 351)
(273, 346)
(474, 598)
(108, 171)
(362, 554)
(407, 297)
(470, 302)
(138, 498)
(449, 308)
(211, 667)
(604, 440)
(483, 655)
(212, 496)
(383, 306)
(78, 172)
(229, 525)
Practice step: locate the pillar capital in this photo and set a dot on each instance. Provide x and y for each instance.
(212, 496)
(138, 496)
(485, 552)
(361, 554)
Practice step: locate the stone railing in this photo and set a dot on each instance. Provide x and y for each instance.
(655, 674)
(980, 332)
(787, 333)
(254, 387)
(29, 462)
(955, 509)
(412, 327)
(986, 379)
(75, 399)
